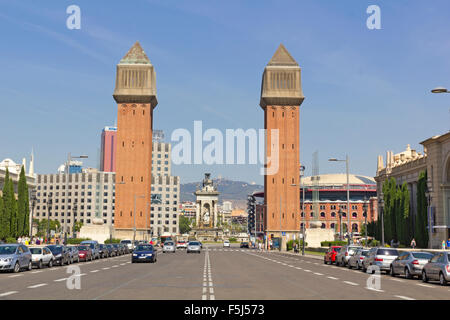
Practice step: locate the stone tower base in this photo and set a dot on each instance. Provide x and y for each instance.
(314, 236)
(96, 232)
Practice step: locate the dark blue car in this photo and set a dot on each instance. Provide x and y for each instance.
(143, 253)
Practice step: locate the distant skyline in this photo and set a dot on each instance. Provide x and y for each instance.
(367, 91)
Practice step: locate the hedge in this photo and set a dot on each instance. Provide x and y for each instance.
(290, 244)
(76, 240)
(113, 240)
(11, 240)
(333, 243)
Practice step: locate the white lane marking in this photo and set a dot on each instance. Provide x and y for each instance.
(289, 265)
(107, 268)
(122, 264)
(319, 274)
(37, 271)
(60, 279)
(298, 268)
(373, 289)
(424, 285)
(7, 293)
(37, 286)
(398, 280)
(307, 270)
(16, 275)
(115, 266)
(95, 271)
(204, 297)
(405, 298)
(333, 278)
(211, 297)
(350, 283)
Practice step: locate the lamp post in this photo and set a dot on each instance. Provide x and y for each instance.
(74, 209)
(348, 195)
(381, 206)
(49, 208)
(33, 205)
(365, 216)
(67, 169)
(428, 193)
(340, 221)
(302, 169)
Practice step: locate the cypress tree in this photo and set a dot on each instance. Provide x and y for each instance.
(23, 206)
(2, 213)
(421, 231)
(13, 206)
(7, 207)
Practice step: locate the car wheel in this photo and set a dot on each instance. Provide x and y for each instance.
(40, 264)
(30, 266)
(407, 273)
(50, 263)
(16, 267)
(424, 276)
(349, 265)
(442, 280)
(364, 269)
(324, 261)
(392, 271)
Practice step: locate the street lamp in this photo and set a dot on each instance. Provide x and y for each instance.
(340, 221)
(365, 216)
(348, 195)
(33, 205)
(440, 90)
(134, 216)
(428, 193)
(49, 208)
(74, 209)
(381, 206)
(302, 169)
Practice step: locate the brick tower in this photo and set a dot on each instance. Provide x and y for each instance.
(135, 94)
(281, 97)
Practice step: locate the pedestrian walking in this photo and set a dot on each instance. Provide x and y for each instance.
(260, 246)
(413, 243)
(448, 243)
(443, 244)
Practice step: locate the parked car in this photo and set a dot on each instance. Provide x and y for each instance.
(357, 258)
(345, 253)
(330, 255)
(380, 257)
(14, 257)
(118, 248)
(193, 246)
(94, 246)
(410, 264)
(438, 268)
(169, 246)
(128, 243)
(103, 249)
(85, 252)
(182, 244)
(112, 250)
(244, 244)
(61, 254)
(73, 252)
(125, 248)
(226, 243)
(41, 256)
(144, 253)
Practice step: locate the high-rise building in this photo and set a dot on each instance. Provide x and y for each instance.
(108, 149)
(135, 94)
(281, 97)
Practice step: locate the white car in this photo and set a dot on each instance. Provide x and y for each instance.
(169, 246)
(128, 244)
(181, 244)
(41, 256)
(226, 244)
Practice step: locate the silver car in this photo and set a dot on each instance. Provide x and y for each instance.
(193, 246)
(14, 257)
(345, 253)
(410, 264)
(381, 258)
(438, 268)
(169, 247)
(357, 258)
(41, 256)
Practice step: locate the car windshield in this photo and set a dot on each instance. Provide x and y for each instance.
(115, 245)
(364, 253)
(144, 247)
(83, 248)
(193, 243)
(36, 250)
(125, 241)
(7, 249)
(387, 252)
(168, 244)
(337, 249)
(55, 249)
(422, 255)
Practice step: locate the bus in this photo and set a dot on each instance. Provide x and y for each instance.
(168, 237)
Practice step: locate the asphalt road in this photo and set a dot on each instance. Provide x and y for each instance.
(215, 274)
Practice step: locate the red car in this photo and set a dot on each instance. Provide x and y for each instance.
(85, 253)
(330, 255)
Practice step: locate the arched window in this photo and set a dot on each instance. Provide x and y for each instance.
(354, 215)
(344, 214)
(333, 214)
(323, 226)
(322, 214)
(355, 227)
(332, 225)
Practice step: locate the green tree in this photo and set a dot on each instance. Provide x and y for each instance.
(77, 226)
(420, 230)
(184, 224)
(8, 204)
(2, 231)
(23, 205)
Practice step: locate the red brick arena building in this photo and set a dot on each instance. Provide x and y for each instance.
(330, 194)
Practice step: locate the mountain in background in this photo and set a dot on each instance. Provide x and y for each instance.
(234, 191)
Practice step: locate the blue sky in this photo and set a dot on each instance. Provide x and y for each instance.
(366, 91)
